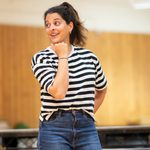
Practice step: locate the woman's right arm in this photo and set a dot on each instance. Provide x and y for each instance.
(61, 81)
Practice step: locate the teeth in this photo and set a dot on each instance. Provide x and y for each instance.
(53, 34)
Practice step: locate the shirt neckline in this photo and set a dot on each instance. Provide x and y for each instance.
(70, 54)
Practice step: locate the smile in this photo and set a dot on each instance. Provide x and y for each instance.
(54, 34)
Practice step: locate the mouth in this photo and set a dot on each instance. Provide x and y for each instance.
(53, 35)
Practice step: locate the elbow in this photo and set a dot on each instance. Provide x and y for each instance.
(57, 93)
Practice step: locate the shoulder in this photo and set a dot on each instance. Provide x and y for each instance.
(43, 52)
(86, 52)
(41, 55)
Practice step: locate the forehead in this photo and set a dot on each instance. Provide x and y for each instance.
(53, 16)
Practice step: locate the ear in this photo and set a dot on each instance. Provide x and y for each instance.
(71, 26)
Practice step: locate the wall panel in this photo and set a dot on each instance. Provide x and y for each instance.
(0, 80)
(126, 61)
(19, 88)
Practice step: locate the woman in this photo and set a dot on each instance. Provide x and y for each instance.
(72, 82)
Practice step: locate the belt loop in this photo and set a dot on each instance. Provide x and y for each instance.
(73, 112)
(83, 112)
(60, 112)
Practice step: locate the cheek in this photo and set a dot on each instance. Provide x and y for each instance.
(66, 31)
(47, 30)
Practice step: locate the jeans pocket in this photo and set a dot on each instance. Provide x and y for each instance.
(88, 118)
(54, 117)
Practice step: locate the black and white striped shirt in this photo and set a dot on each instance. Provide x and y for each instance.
(85, 76)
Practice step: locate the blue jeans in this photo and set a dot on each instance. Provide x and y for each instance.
(68, 130)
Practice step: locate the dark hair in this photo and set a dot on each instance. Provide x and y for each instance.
(69, 14)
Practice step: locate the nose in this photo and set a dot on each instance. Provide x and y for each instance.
(51, 27)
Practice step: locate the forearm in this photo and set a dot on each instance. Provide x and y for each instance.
(60, 84)
(99, 97)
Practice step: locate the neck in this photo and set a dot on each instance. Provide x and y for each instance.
(69, 48)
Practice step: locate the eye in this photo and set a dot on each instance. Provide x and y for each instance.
(57, 23)
(47, 25)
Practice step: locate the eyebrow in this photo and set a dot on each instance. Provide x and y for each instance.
(57, 19)
(54, 19)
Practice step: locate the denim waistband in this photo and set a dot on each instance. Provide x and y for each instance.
(61, 112)
(72, 111)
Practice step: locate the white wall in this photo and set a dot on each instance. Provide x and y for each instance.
(101, 15)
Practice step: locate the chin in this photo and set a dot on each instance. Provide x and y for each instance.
(55, 42)
(58, 40)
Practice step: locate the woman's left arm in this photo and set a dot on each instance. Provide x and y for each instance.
(99, 97)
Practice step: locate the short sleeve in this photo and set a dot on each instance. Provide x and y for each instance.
(101, 81)
(43, 71)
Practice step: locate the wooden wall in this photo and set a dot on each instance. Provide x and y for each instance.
(20, 92)
(0, 80)
(125, 59)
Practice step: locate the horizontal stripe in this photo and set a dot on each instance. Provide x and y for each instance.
(82, 98)
(47, 110)
(68, 103)
(65, 106)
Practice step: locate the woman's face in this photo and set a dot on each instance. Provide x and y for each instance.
(57, 28)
